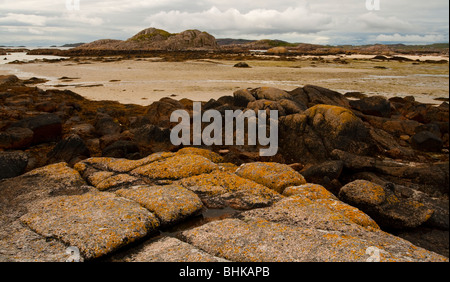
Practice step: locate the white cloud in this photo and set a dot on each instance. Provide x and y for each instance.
(258, 21)
(12, 18)
(372, 21)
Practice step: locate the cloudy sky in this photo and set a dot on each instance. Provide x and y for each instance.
(48, 22)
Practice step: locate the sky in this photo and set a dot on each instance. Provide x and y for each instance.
(356, 22)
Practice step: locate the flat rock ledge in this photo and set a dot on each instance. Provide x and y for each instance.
(118, 210)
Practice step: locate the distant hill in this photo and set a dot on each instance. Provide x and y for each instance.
(231, 41)
(157, 39)
(72, 45)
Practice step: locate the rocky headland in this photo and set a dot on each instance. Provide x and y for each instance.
(350, 174)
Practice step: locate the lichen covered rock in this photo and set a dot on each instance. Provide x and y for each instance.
(95, 223)
(170, 203)
(220, 189)
(311, 191)
(210, 155)
(169, 249)
(385, 205)
(176, 167)
(258, 240)
(273, 175)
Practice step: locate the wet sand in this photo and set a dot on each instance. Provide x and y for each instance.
(147, 80)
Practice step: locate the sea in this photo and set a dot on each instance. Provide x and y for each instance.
(23, 57)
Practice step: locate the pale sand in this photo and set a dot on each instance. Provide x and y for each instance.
(143, 82)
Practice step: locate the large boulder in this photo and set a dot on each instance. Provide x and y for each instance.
(45, 127)
(427, 141)
(375, 106)
(106, 125)
(242, 97)
(270, 93)
(311, 95)
(111, 222)
(273, 175)
(159, 112)
(70, 150)
(266, 105)
(12, 164)
(302, 229)
(310, 137)
(16, 138)
(391, 206)
(170, 203)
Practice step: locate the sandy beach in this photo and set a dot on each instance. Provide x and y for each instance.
(143, 81)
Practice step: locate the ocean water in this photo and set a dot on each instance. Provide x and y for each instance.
(22, 56)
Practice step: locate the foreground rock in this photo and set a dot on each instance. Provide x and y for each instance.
(298, 229)
(48, 209)
(110, 222)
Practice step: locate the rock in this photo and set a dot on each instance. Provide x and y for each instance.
(220, 189)
(431, 178)
(104, 181)
(265, 241)
(266, 105)
(385, 206)
(119, 165)
(210, 155)
(12, 164)
(159, 112)
(291, 107)
(83, 130)
(336, 121)
(151, 133)
(111, 222)
(326, 213)
(121, 149)
(273, 175)
(310, 191)
(47, 106)
(46, 127)
(176, 167)
(226, 100)
(16, 138)
(431, 239)
(311, 95)
(427, 141)
(270, 93)
(374, 105)
(106, 125)
(170, 203)
(242, 97)
(434, 128)
(69, 150)
(311, 137)
(241, 65)
(355, 95)
(278, 50)
(330, 170)
(8, 80)
(168, 249)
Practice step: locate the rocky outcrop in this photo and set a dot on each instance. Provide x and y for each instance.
(156, 39)
(50, 208)
(326, 143)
